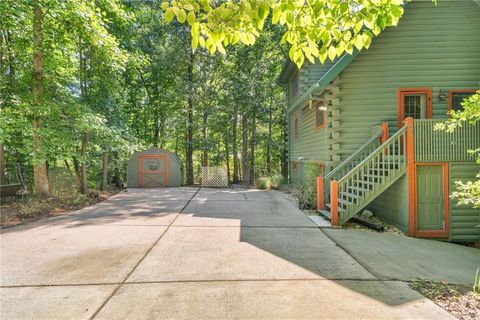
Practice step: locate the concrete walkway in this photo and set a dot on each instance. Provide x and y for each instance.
(196, 254)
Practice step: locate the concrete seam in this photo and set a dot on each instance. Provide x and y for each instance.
(115, 290)
(377, 276)
(205, 281)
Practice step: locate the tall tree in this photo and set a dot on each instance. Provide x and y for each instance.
(42, 187)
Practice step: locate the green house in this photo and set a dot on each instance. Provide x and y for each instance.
(366, 122)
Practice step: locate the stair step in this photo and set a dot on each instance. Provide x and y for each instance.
(345, 202)
(352, 190)
(372, 176)
(339, 208)
(350, 195)
(325, 213)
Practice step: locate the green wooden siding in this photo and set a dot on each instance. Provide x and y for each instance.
(463, 219)
(392, 205)
(311, 143)
(435, 47)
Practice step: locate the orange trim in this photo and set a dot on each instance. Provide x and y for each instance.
(141, 172)
(401, 92)
(410, 154)
(334, 202)
(451, 92)
(316, 105)
(435, 233)
(320, 193)
(384, 127)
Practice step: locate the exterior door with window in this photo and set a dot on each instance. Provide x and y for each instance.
(414, 103)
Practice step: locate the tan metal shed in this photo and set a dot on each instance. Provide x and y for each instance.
(154, 168)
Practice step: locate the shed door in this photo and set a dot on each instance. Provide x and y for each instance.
(153, 171)
(431, 207)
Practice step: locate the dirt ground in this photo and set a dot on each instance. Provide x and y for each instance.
(13, 213)
(459, 301)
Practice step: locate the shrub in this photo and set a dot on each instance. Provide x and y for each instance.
(264, 183)
(276, 181)
(305, 189)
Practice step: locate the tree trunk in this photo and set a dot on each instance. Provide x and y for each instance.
(40, 178)
(83, 164)
(285, 149)
(245, 178)
(116, 172)
(252, 147)
(156, 129)
(104, 182)
(78, 173)
(227, 158)
(234, 144)
(189, 135)
(162, 128)
(268, 160)
(3, 163)
(205, 137)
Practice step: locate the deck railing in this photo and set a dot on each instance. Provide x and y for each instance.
(440, 146)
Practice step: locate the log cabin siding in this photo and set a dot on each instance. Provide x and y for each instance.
(464, 220)
(433, 46)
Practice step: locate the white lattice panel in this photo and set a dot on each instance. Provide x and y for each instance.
(214, 177)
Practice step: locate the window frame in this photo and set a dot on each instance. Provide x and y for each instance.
(402, 92)
(316, 105)
(453, 91)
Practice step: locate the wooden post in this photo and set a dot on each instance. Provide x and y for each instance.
(411, 175)
(320, 193)
(384, 128)
(334, 202)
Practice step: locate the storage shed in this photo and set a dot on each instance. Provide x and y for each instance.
(154, 168)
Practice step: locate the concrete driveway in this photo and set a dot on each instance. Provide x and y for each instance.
(194, 253)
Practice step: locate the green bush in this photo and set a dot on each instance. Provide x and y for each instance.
(305, 188)
(276, 181)
(264, 183)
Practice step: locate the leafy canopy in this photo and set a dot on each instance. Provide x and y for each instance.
(313, 28)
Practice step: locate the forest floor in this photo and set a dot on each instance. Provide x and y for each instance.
(14, 213)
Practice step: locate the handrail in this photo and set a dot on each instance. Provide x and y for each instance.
(360, 150)
(381, 148)
(369, 177)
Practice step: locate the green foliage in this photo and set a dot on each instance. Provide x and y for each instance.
(476, 282)
(115, 72)
(313, 29)
(276, 181)
(306, 187)
(264, 183)
(468, 193)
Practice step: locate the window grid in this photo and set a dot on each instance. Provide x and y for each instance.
(412, 107)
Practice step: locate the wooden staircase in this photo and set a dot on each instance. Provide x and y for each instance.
(363, 176)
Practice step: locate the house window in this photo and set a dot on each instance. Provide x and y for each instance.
(415, 106)
(320, 114)
(294, 87)
(456, 97)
